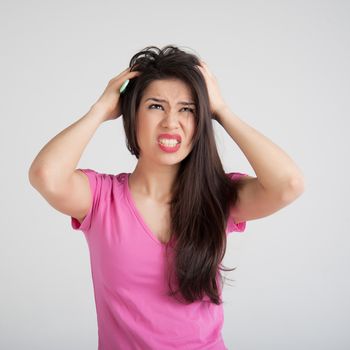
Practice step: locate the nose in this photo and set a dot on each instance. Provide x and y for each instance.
(170, 121)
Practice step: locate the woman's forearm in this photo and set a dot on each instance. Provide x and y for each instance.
(58, 159)
(275, 170)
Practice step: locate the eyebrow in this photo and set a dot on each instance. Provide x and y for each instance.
(165, 101)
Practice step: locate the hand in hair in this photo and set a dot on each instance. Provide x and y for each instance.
(109, 101)
(215, 98)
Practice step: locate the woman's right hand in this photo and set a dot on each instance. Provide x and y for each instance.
(109, 102)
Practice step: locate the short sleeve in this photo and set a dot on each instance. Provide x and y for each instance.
(231, 225)
(96, 183)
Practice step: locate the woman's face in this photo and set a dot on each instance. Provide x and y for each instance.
(166, 107)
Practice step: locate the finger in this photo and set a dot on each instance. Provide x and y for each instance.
(126, 74)
(203, 67)
(133, 74)
(127, 71)
(135, 71)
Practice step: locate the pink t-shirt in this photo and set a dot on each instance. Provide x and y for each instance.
(127, 265)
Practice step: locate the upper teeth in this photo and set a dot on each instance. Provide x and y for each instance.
(168, 142)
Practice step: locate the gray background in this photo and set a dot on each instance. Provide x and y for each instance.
(282, 66)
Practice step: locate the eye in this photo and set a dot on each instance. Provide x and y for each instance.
(154, 105)
(190, 109)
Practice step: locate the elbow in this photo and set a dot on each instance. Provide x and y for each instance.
(36, 176)
(295, 189)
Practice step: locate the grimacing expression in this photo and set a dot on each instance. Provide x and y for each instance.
(167, 106)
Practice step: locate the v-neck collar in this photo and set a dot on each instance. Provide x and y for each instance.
(137, 213)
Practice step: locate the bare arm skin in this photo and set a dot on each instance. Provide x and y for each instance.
(53, 171)
(58, 159)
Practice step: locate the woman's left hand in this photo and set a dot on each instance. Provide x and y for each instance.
(215, 98)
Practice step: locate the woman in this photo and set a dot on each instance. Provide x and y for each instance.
(157, 236)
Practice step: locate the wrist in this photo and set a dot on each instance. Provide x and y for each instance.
(97, 112)
(220, 112)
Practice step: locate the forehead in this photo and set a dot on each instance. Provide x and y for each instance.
(171, 89)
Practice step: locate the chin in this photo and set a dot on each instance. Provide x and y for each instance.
(171, 158)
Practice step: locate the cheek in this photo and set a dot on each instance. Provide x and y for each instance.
(145, 131)
(192, 127)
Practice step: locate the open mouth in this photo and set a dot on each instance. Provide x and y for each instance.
(169, 146)
(168, 142)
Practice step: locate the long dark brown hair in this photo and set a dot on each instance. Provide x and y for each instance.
(203, 194)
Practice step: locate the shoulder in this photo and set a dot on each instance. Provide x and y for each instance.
(102, 179)
(121, 178)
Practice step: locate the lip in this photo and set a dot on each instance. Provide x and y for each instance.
(170, 136)
(169, 149)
